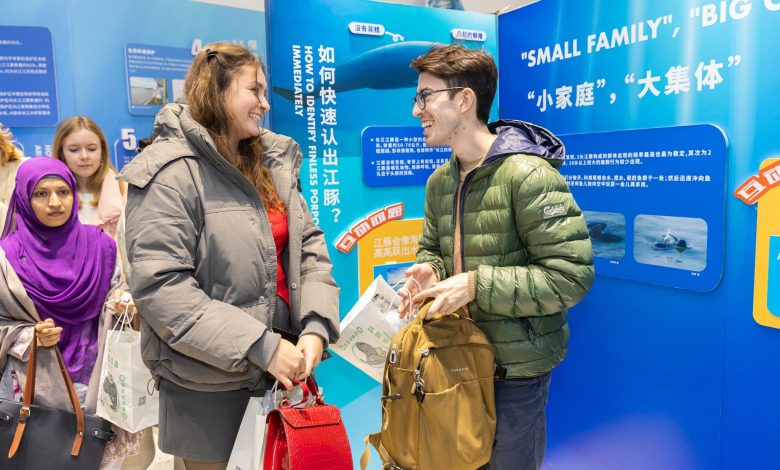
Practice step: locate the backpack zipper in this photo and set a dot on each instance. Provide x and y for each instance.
(393, 354)
(419, 382)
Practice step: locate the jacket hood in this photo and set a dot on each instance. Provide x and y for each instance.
(513, 137)
(177, 135)
(174, 135)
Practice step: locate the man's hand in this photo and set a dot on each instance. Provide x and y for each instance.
(422, 277)
(311, 346)
(48, 335)
(448, 295)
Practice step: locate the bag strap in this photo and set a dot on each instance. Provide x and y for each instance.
(29, 394)
(423, 312)
(376, 440)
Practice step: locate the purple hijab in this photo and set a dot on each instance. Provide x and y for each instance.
(65, 270)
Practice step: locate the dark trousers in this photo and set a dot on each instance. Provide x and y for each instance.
(521, 428)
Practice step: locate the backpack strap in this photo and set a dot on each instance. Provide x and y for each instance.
(376, 440)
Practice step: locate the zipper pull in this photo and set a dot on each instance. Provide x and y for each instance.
(418, 372)
(393, 354)
(419, 382)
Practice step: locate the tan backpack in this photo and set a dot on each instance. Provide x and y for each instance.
(438, 408)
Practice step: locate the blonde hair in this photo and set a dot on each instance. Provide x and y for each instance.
(75, 124)
(8, 152)
(212, 72)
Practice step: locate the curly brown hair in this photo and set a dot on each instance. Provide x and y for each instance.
(212, 72)
(8, 152)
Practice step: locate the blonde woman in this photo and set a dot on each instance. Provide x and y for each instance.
(10, 159)
(81, 144)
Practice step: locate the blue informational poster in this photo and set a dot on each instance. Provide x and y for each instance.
(398, 156)
(683, 368)
(155, 76)
(28, 82)
(653, 201)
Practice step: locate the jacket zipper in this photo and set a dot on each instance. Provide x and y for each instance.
(459, 204)
(293, 189)
(527, 324)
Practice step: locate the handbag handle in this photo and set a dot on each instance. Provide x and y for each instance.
(29, 394)
(308, 386)
(312, 387)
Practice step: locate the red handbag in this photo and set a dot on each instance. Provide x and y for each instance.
(309, 438)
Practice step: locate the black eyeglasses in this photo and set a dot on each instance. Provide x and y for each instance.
(419, 98)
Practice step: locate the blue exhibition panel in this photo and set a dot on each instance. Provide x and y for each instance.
(658, 375)
(116, 62)
(665, 108)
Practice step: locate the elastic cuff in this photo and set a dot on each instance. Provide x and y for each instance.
(472, 290)
(263, 350)
(436, 271)
(317, 326)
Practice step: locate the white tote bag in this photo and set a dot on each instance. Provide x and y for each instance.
(126, 396)
(247, 453)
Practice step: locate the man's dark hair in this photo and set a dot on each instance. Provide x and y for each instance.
(459, 66)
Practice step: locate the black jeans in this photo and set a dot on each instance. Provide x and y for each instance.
(521, 429)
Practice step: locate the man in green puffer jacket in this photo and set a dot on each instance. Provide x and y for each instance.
(503, 236)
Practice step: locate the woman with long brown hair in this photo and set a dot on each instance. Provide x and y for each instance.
(81, 144)
(230, 275)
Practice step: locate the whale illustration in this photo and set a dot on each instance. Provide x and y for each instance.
(383, 68)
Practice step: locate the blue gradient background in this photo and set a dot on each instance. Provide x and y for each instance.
(658, 377)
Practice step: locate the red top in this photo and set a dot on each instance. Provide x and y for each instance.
(278, 219)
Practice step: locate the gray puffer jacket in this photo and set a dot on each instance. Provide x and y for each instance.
(203, 259)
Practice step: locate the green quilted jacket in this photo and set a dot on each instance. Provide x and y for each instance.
(524, 235)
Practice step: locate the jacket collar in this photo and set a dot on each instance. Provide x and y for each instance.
(520, 137)
(177, 135)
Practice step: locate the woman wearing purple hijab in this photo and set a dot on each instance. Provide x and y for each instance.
(56, 278)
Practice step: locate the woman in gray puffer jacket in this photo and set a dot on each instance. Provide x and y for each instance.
(231, 276)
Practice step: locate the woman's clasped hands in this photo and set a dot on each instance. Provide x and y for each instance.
(296, 362)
